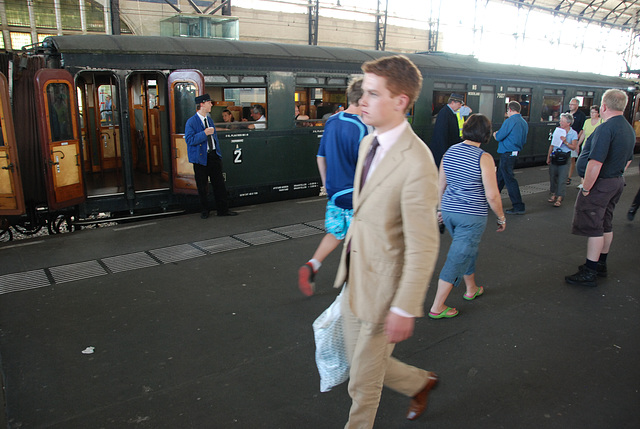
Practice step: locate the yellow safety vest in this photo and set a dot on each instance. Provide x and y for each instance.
(460, 121)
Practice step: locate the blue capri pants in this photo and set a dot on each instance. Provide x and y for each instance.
(466, 231)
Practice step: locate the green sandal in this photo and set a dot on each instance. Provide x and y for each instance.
(444, 314)
(478, 293)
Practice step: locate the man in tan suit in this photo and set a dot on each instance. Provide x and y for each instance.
(392, 245)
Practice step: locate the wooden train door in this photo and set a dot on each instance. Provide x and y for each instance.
(184, 86)
(149, 130)
(11, 197)
(84, 130)
(59, 141)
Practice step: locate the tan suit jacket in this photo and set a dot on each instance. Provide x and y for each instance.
(394, 231)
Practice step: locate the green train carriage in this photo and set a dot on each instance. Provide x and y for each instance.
(130, 159)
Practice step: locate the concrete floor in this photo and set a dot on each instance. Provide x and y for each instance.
(224, 340)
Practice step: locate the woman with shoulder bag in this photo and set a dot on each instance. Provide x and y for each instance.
(564, 140)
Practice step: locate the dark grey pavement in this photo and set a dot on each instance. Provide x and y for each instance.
(206, 327)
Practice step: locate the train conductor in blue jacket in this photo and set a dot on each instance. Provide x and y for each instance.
(204, 153)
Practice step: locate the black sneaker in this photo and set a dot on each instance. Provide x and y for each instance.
(632, 212)
(584, 277)
(515, 211)
(602, 269)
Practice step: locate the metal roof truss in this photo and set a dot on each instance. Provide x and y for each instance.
(623, 14)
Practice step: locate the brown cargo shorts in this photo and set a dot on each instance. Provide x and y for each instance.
(593, 214)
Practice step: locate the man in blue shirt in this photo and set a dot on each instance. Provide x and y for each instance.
(511, 137)
(337, 158)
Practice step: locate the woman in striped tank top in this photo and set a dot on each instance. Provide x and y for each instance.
(467, 183)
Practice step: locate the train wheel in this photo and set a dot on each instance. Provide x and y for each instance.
(5, 235)
(28, 227)
(60, 224)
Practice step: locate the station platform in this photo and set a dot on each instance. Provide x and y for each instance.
(199, 324)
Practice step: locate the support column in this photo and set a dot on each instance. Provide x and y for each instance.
(434, 29)
(32, 21)
(56, 7)
(381, 27)
(83, 16)
(633, 37)
(115, 17)
(5, 26)
(226, 8)
(106, 4)
(313, 21)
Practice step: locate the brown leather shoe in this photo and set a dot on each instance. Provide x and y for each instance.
(419, 402)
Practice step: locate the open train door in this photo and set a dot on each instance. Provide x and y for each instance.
(184, 87)
(59, 141)
(11, 197)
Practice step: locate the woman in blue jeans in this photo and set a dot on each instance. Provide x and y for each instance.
(467, 183)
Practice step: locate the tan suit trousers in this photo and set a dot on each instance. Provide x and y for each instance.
(369, 354)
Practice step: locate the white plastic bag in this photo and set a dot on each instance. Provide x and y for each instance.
(331, 355)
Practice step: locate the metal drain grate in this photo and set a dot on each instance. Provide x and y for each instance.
(260, 237)
(80, 270)
(22, 281)
(297, 230)
(534, 188)
(222, 244)
(316, 224)
(176, 253)
(132, 261)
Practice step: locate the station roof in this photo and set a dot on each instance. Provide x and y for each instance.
(616, 13)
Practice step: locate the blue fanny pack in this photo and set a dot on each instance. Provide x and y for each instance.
(337, 220)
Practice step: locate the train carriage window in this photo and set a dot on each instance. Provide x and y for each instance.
(487, 98)
(309, 80)
(239, 108)
(152, 89)
(184, 95)
(316, 105)
(80, 107)
(59, 105)
(441, 93)
(585, 99)
(552, 105)
(301, 109)
(522, 96)
(106, 98)
(319, 97)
